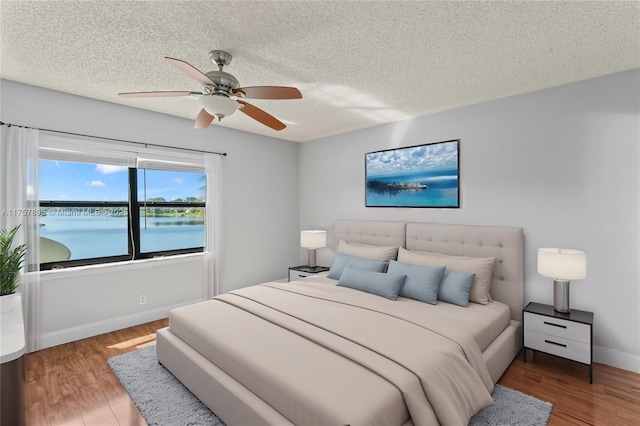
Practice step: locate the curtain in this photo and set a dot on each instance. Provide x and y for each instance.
(22, 206)
(58, 147)
(213, 229)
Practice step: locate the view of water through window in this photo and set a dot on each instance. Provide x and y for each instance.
(90, 236)
(170, 209)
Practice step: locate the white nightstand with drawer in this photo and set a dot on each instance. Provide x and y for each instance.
(297, 272)
(568, 335)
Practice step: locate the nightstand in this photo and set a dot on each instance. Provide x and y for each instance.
(568, 335)
(297, 272)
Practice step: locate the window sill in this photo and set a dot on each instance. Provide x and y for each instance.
(119, 266)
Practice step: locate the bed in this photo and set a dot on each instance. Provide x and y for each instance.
(316, 353)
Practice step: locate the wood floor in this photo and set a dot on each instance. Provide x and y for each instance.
(72, 384)
(612, 400)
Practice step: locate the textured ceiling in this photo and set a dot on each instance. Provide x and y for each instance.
(357, 64)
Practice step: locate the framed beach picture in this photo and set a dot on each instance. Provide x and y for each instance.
(416, 176)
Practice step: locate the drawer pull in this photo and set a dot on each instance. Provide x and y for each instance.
(555, 325)
(554, 343)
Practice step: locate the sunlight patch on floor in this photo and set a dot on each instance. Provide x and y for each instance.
(138, 342)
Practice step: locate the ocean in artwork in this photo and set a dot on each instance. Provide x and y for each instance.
(416, 189)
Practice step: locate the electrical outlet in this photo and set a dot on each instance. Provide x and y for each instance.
(143, 299)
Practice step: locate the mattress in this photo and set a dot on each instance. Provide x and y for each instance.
(323, 354)
(483, 322)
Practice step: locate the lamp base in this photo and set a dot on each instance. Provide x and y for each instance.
(312, 258)
(561, 296)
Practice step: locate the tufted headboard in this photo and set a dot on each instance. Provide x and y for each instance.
(374, 232)
(506, 244)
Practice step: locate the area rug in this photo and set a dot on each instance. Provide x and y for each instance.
(164, 401)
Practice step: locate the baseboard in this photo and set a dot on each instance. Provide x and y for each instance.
(616, 359)
(93, 329)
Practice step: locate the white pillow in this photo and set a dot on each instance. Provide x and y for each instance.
(481, 266)
(367, 251)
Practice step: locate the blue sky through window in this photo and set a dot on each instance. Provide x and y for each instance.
(69, 181)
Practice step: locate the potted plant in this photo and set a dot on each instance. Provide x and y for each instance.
(11, 261)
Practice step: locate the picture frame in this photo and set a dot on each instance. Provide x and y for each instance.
(422, 176)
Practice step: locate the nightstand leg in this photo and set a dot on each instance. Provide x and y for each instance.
(590, 374)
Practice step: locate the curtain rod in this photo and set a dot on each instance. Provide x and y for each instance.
(224, 154)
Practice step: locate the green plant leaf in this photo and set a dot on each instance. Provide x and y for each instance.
(11, 261)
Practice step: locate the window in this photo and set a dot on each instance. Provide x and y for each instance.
(92, 212)
(171, 206)
(84, 212)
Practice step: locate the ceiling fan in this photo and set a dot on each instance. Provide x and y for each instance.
(222, 95)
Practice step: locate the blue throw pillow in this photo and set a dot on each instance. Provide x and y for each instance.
(455, 287)
(385, 285)
(422, 282)
(342, 260)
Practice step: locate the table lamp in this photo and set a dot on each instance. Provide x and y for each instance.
(312, 240)
(563, 265)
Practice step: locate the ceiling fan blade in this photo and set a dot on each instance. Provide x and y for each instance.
(270, 92)
(191, 71)
(261, 116)
(203, 120)
(160, 94)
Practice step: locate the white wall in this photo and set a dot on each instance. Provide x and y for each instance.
(562, 163)
(260, 218)
(86, 301)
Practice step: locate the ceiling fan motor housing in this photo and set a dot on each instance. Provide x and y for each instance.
(225, 81)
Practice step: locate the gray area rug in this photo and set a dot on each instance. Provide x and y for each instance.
(164, 401)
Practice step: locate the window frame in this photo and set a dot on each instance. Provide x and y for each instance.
(133, 225)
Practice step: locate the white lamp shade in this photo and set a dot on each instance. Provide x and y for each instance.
(313, 239)
(562, 264)
(217, 105)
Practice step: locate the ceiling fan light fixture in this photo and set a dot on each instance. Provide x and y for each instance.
(218, 105)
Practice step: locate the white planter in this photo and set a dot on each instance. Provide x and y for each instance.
(7, 303)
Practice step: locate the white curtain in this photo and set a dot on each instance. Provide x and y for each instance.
(22, 208)
(213, 168)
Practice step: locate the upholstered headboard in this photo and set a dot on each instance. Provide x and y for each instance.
(374, 232)
(506, 244)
